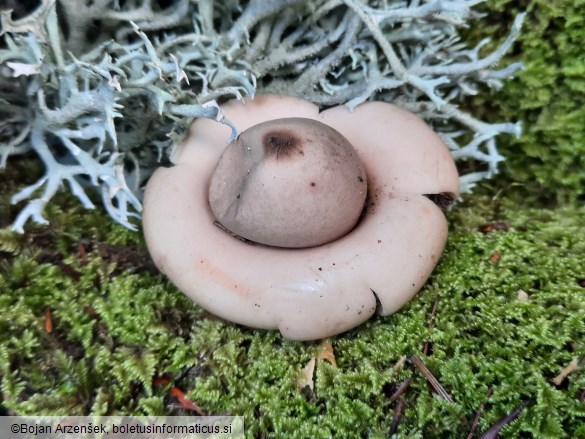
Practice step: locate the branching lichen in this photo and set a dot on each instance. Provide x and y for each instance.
(100, 89)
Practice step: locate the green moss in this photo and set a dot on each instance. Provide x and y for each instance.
(548, 96)
(118, 325)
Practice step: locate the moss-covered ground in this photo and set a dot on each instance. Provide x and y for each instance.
(118, 327)
(87, 325)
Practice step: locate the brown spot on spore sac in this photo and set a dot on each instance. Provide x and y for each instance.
(313, 184)
(281, 143)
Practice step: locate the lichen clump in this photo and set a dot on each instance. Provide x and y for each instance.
(100, 90)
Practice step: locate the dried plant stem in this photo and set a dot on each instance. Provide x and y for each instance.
(437, 387)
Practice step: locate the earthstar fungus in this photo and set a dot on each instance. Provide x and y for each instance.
(237, 228)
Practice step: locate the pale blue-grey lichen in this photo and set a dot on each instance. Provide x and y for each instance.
(100, 89)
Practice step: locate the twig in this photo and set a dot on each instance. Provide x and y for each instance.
(478, 415)
(184, 402)
(430, 378)
(182, 374)
(433, 312)
(397, 416)
(401, 389)
(572, 367)
(48, 320)
(494, 430)
(426, 344)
